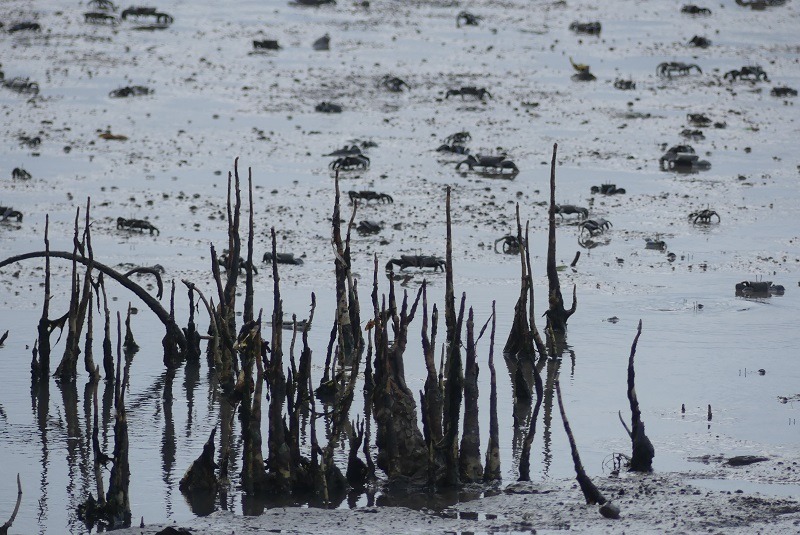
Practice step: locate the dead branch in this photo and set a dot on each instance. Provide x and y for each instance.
(643, 450)
(4, 528)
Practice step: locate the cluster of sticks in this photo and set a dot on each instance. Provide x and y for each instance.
(431, 456)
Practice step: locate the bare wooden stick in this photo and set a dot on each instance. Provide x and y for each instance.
(643, 450)
(491, 471)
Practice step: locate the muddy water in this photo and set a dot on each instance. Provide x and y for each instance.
(214, 100)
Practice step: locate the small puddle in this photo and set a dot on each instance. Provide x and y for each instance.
(739, 486)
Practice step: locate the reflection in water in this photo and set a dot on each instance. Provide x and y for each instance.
(77, 466)
(40, 401)
(168, 445)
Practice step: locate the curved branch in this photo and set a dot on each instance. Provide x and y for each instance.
(4, 527)
(149, 270)
(148, 299)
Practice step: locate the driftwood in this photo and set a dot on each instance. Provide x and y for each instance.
(643, 450)
(140, 292)
(4, 528)
(557, 315)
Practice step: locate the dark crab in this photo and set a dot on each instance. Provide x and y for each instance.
(704, 216)
(453, 149)
(459, 138)
(783, 92)
(352, 150)
(624, 85)
(323, 43)
(467, 19)
(583, 76)
(241, 265)
(471, 91)
(748, 72)
(655, 244)
(489, 163)
(510, 243)
(31, 142)
(369, 196)
(595, 226)
(328, 107)
(682, 157)
(368, 226)
(568, 209)
(22, 85)
(416, 261)
(25, 27)
(138, 11)
(668, 68)
(136, 224)
(6, 213)
(393, 84)
(698, 119)
(692, 9)
(130, 91)
(699, 42)
(758, 5)
(607, 189)
(688, 133)
(349, 163)
(96, 17)
(283, 258)
(266, 44)
(591, 28)
(20, 173)
(758, 289)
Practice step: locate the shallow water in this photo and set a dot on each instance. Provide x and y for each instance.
(214, 101)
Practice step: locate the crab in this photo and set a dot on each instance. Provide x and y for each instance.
(25, 27)
(266, 44)
(21, 85)
(31, 142)
(591, 28)
(20, 173)
(369, 196)
(283, 258)
(467, 19)
(704, 216)
(458, 138)
(699, 42)
(510, 243)
(453, 149)
(607, 189)
(416, 261)
(692, 9)
(323, 43)
(393, 84)
(656, 244)
(595, 226)
(349, 163)
(583, 76)
(242, 264)
(328, 107)
(102, 5)
(489, 163)
(130, 91)
(682, 157)
(748, 72)
(758, 289)
(688, 133)
(624, 85)
(369, 227)
(96, 17)
(472, 91)
(783, 92)
(352, 150)
(136, 224)
(6, 213)
(698, 119)
(760, 4)
(567, 209)
(667, 68)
